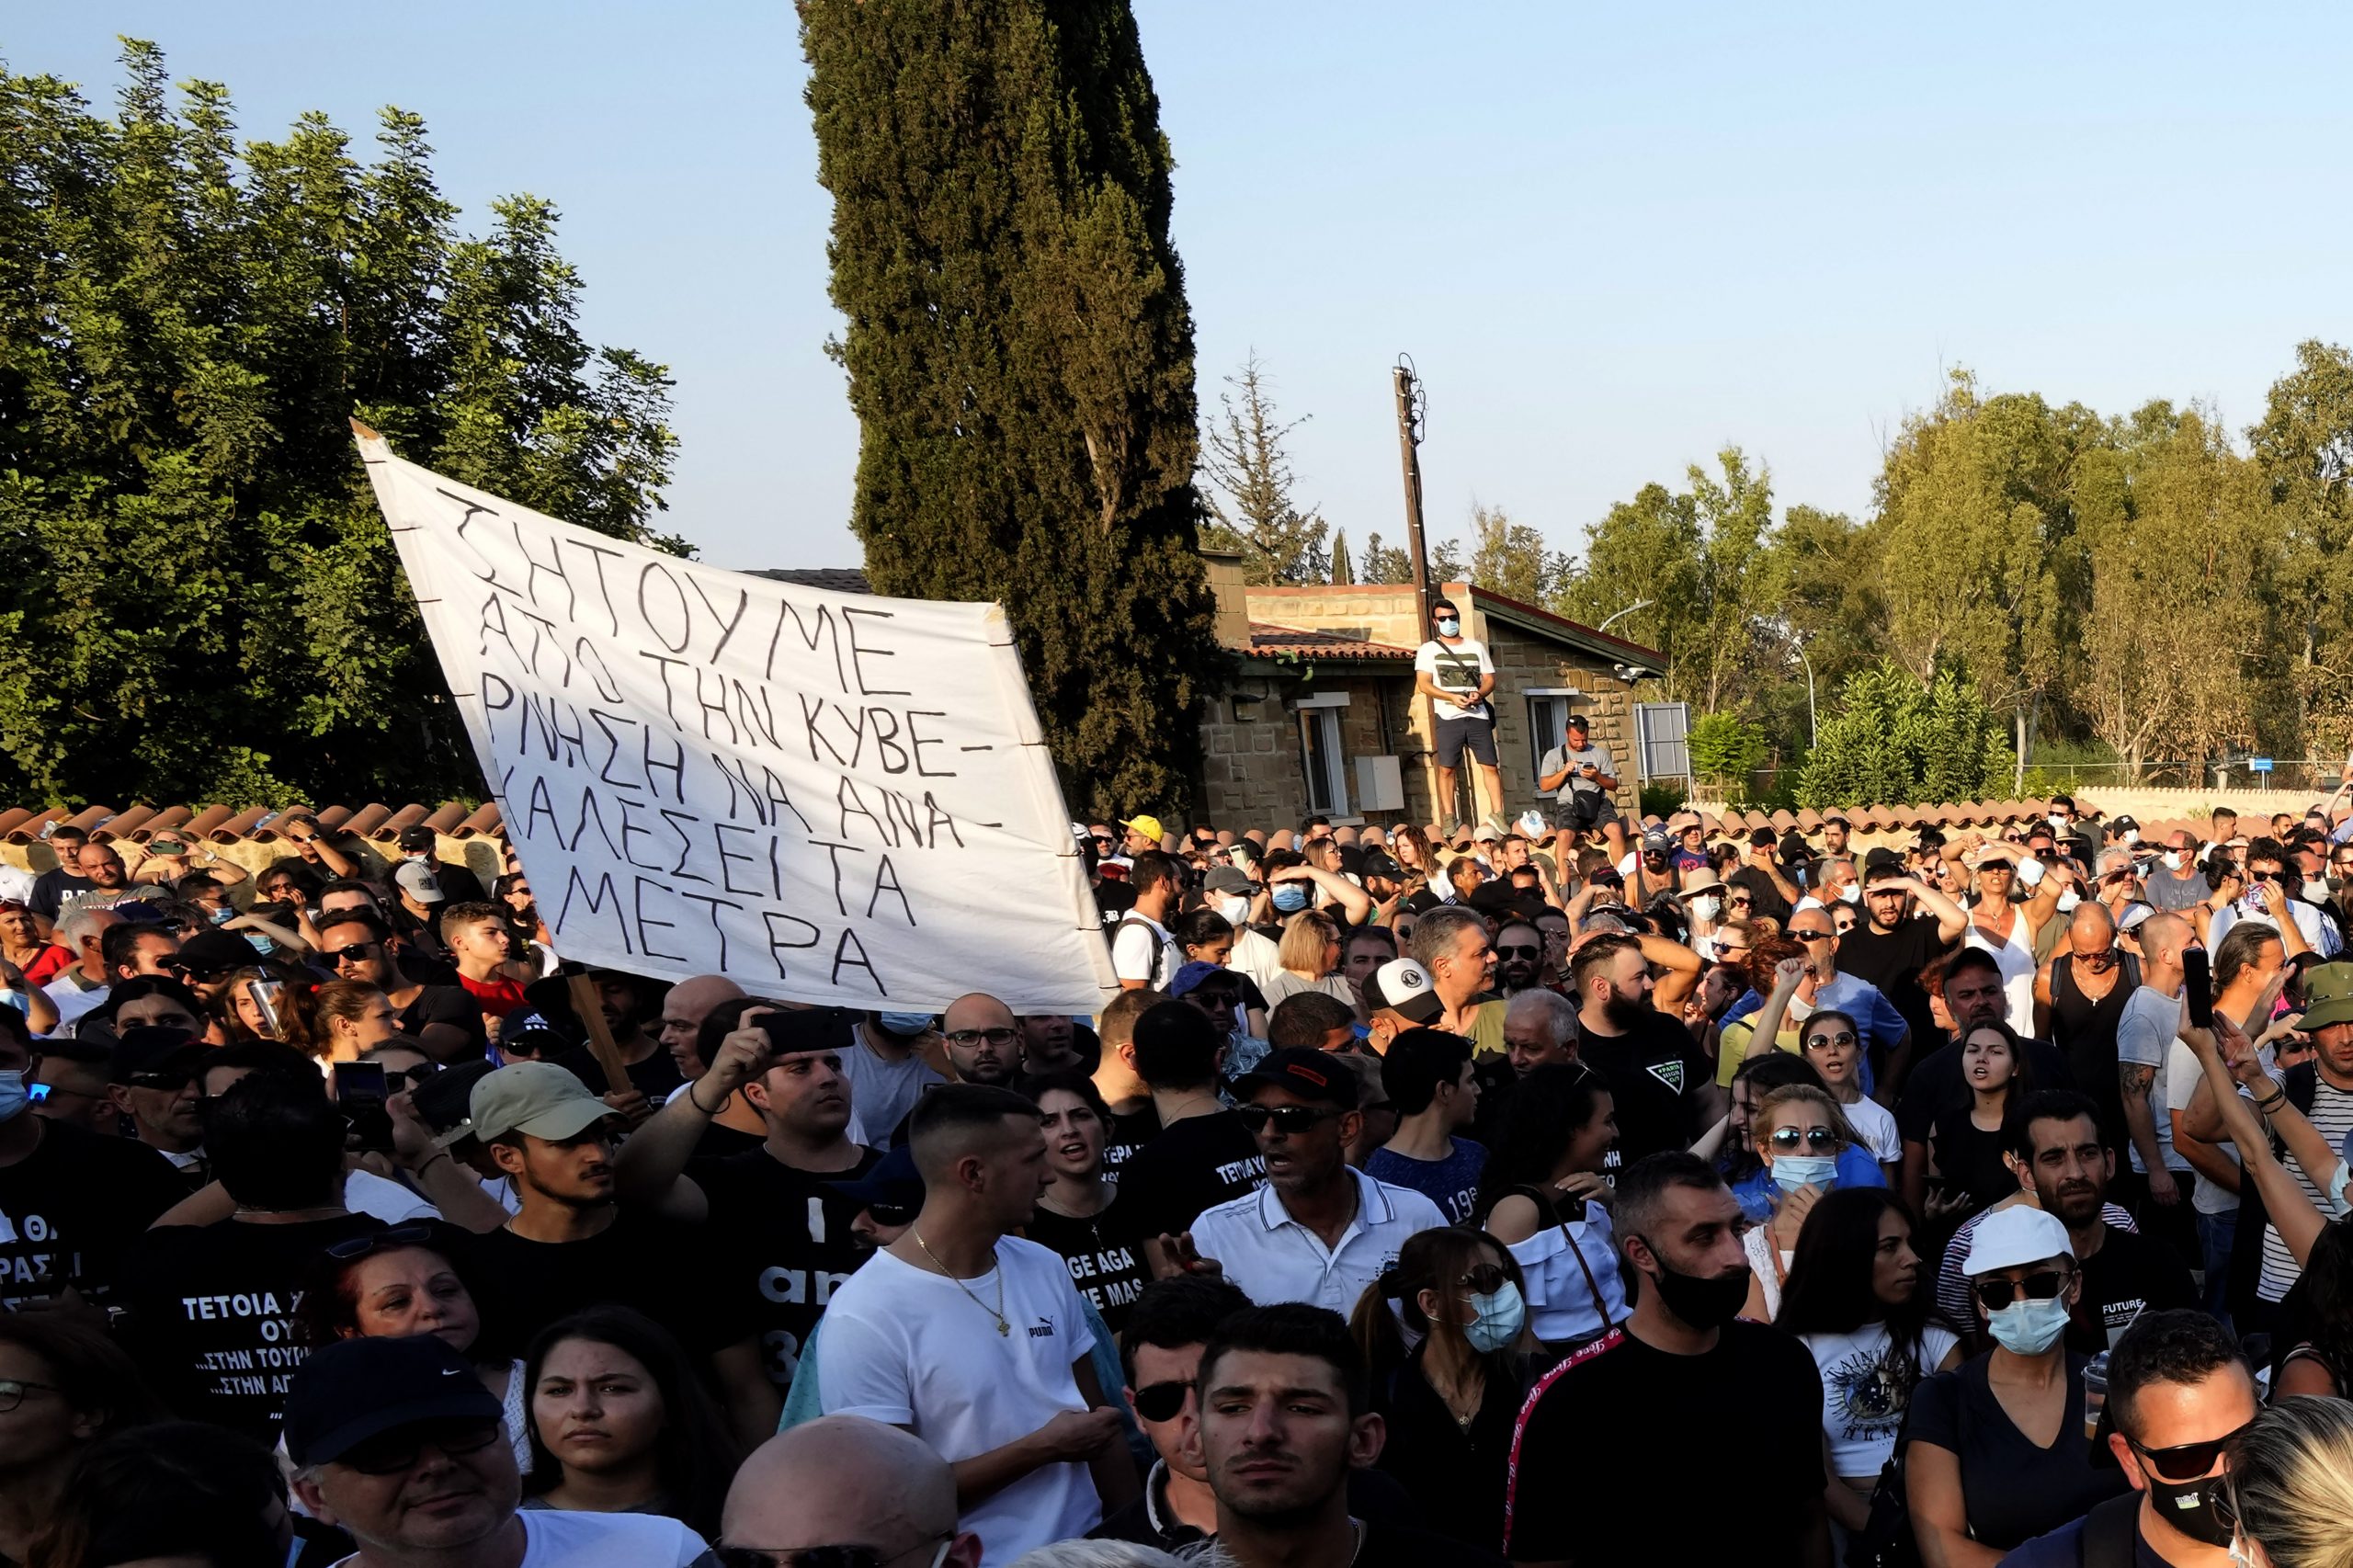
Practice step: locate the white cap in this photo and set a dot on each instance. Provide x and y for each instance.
(1403, 986)
(2008, 1237)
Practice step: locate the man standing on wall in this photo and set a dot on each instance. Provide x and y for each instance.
(1457, 676)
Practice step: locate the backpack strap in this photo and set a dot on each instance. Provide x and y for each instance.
(2111, 1532)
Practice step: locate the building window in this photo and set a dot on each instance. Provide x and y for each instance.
(1548, 723)
(1322, 760)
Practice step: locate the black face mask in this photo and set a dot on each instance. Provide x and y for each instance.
(1697, 1300)
(2187, 1506)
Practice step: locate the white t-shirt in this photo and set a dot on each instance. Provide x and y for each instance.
(2145, 1032)
(1867, 1387)
(914, 1348)
(2318, 933)
(72, 1002)
(554, 1537)
(1456, 667)
(2183, 1074)
(1142, 949)
(1875, 1125)
(1254, 955)
(16, 883)
(1275, 1259)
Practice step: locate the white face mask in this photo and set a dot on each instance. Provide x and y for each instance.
(2058, 825)
(1800, 1009)
(1851, 893)
(1235, 910)
(2175, 860)
(2068, 900)
(1705, 910)
(2131, 835)
(2316, 892)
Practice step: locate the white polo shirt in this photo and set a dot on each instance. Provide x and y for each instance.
(1274, 1258)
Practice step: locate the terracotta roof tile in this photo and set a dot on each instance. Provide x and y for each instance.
(226, 825)
(1267, 639)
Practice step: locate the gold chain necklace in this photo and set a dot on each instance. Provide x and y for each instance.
(1004, 1326)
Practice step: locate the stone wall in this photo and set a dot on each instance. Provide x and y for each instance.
(1253, 774)
(1524, 661)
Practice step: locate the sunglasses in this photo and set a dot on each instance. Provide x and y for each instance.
(1740, 901)
(1483, 1278)
(397, 1451)
(1820, 1139)
(818, 1556)
(359, 952)
(1518, 952)
(360, 1246)
(1841, 1038)
(999, 1035)
(1289, 1120)
(2184, 1461)
(2042, 1286)
(1160, 1401)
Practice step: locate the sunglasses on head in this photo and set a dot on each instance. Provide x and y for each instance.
(360, 1246)
(1289, 1120)
(2184, 1461)
(1518, 952)
(1820, 1139)
(1160, 1401)
(171, 1083)
(391, 1453)
(2043, 1285)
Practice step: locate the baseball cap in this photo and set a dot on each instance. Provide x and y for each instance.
(2328, 995)
(1231, 880)
(1403, 986)
(216, 952)
(1378, 864)
(1302, 1071)
(1192, 975)
(351, 1389)
(893, 1182)
(539, 1098)
(2008, 1237)
(1147, 826)
(445, 1100)
(1763, 838)
(1882, 859)
(1485, 832)
(418, 839)
(2124, 823)
(2134, 915)
(1655, 841)
(416, 879)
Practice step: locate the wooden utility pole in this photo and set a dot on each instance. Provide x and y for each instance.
(1411, 405)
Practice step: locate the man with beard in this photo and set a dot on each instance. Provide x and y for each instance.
(1051, 1043)
(1665, 1094)
(1682, 1362)
(773, 1211)
(1906, 925)
(984, 1040)
(356, 943)
(1519, 957)
(627, 1002)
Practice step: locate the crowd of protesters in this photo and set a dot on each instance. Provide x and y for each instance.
(1564, 1190)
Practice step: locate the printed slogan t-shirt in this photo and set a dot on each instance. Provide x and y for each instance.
(72, 1210)
(216, 1308)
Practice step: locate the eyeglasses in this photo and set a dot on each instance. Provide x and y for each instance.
(2044, 1285)
(823, 1556)
(1841, 1039)
(1483, 1278)
(2185, 1461)
(1518, 951)
(357, 952)
(360, 1246)
(999, 1035)
(393, 1452)
(1160, 1401)
(1288, 1120)
(1818, 1139)
(12, 1392)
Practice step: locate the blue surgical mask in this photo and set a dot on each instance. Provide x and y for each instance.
(221, 916)
(1448, 627)
(2029, 1327)
(260, 943)
(1499, 1320)
(13, 1097)
(2337, 1203)
(905, 1024)
(1290, 897)
(1792, 1172)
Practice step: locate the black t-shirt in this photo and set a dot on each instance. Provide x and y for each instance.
(654, 1077)
(717, 1143)
(1766, 900)
(1936, 1088)
(2011, 1491)
(2130, 1273)
(786, 1245)
(1969, 1159)
(52, 888)
(1649, 1069)
(72, 1211)
(1893, 961)
(1393, 1546)
(1194, 1165)
(1104, 1254)
(671, 1273)
(452, 1005)
(1456, 1473)
(215, 1315)
(1594, 1479)
(1126, 1134)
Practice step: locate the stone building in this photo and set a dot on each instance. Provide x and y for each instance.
(1323, 715)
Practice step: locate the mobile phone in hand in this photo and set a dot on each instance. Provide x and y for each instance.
(2198, 985)
(357, 1082)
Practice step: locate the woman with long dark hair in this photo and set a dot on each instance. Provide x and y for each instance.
(1451, 1402)
(1961, 1168)
(620, 1424)
(1078, 1214)
(181, 1491)
(1856, 1298)
(1543, 1199)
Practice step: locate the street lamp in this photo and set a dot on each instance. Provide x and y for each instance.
(1638, 604)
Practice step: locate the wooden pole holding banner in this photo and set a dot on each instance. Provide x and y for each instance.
(588, 1007)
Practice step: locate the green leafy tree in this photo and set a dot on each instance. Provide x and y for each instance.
(1896, 739)
(1250, 485)
(1726, 750)
(1020, 357)
(2304, 447)
(1511, 558)
(1383, 563)
(1344, 568)
(199, 596)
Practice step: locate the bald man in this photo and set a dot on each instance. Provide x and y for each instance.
(683, 1011)
(2079, 999)
(984, 1042)
(2144, 1042)
(845, 1481)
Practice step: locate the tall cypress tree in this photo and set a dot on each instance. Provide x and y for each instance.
(1020, 356)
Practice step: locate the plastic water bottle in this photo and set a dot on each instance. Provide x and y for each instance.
(2095, 1393)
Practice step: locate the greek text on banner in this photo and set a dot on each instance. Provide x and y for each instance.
(824, 797)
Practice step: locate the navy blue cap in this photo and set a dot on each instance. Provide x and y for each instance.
(892, 1181)
(357, 1389)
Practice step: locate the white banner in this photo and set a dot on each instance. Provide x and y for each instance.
(824, 797)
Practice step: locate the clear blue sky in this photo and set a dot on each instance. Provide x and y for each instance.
(1614, 238)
